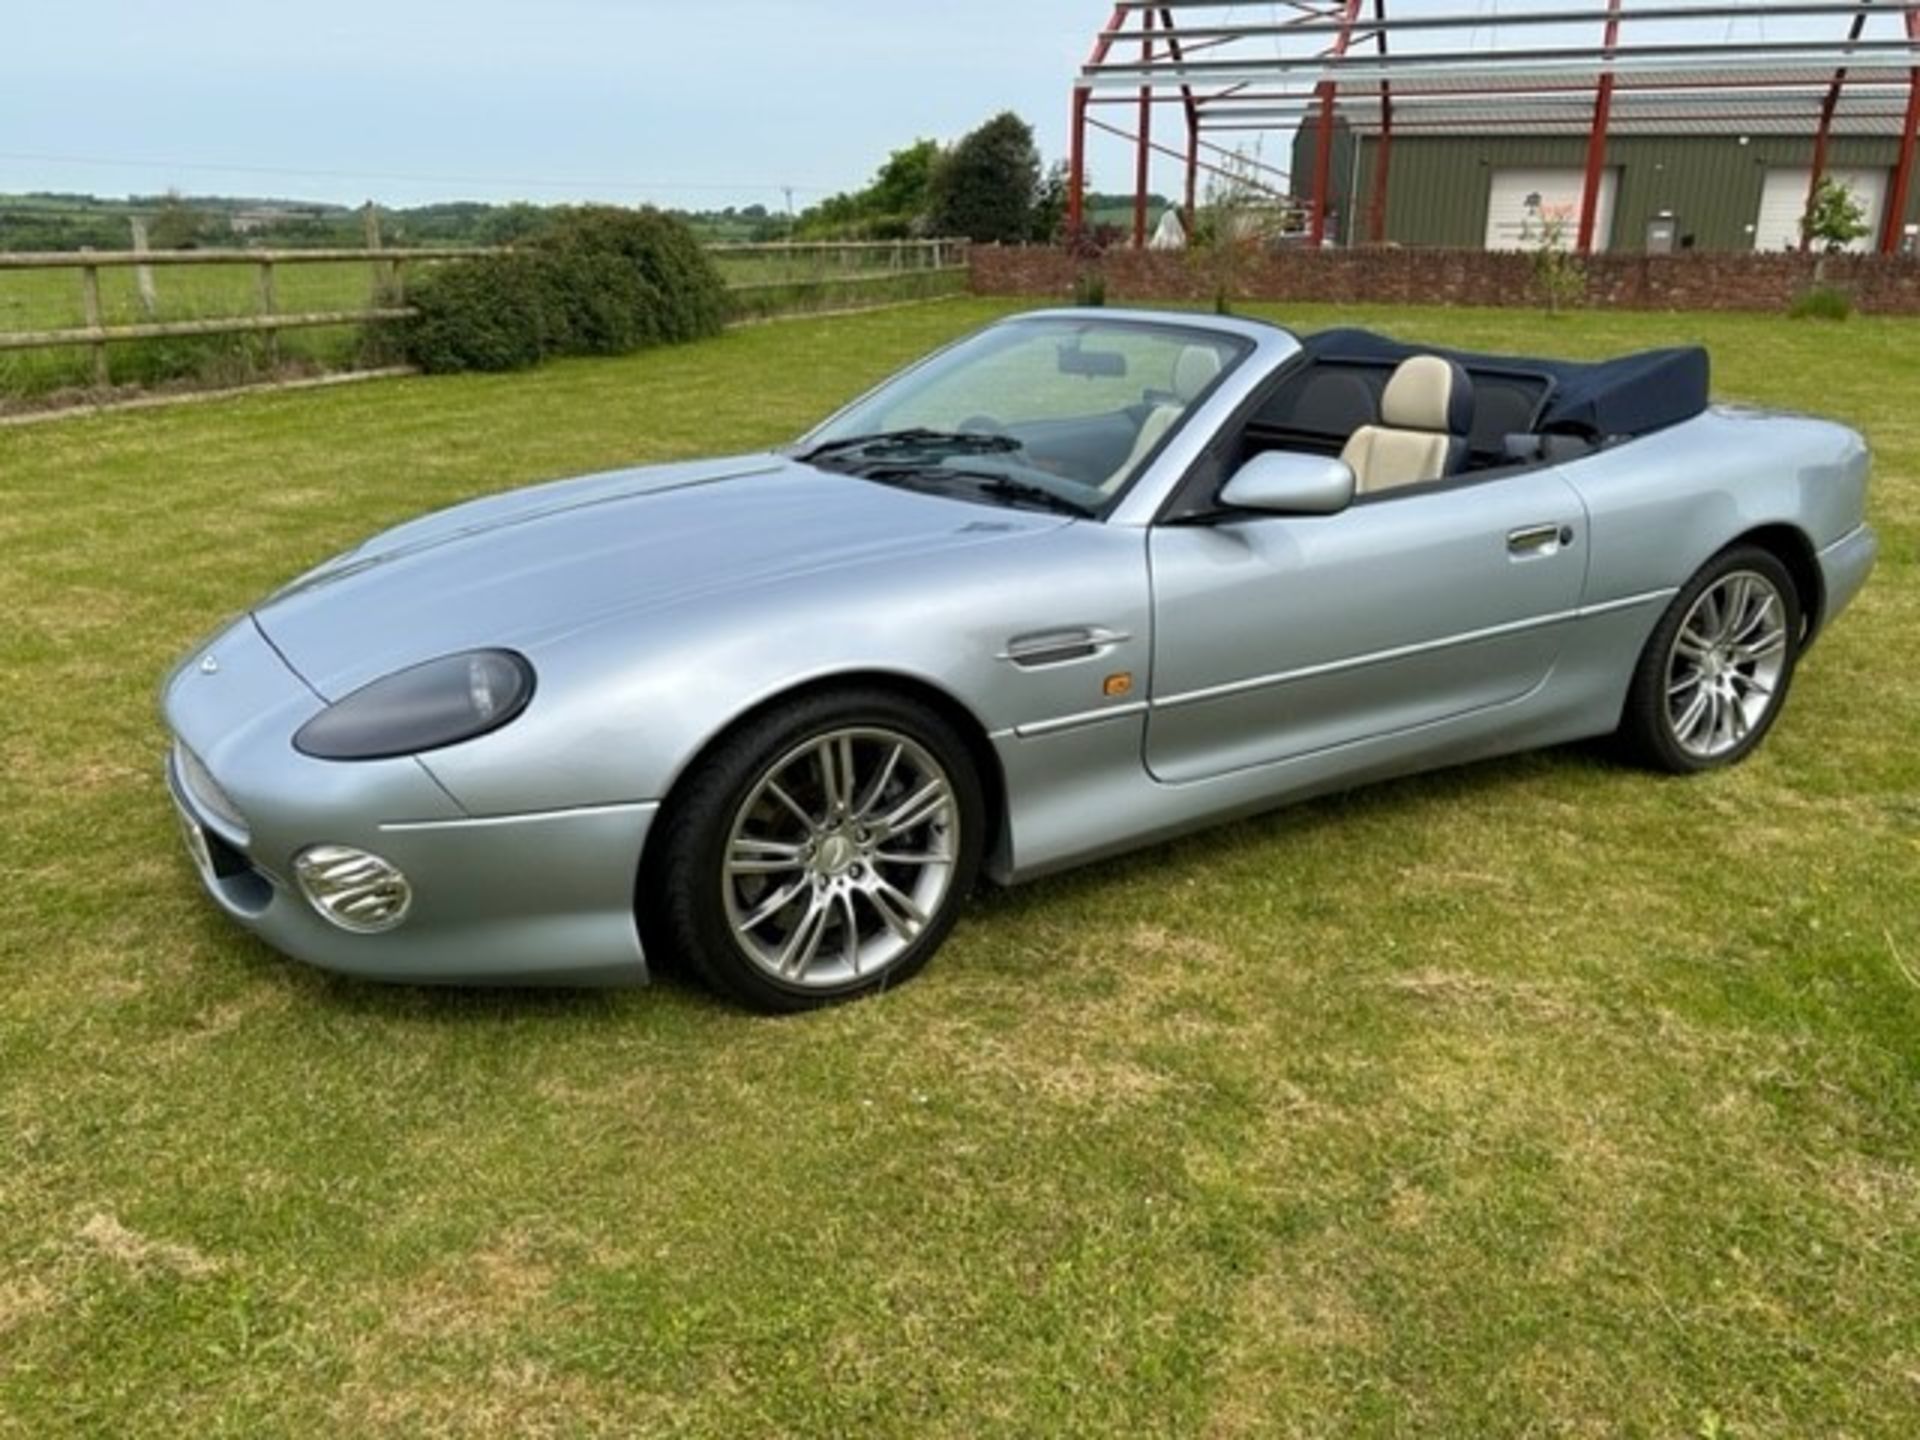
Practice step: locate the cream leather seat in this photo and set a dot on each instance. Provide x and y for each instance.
(1196, 369)
(1426, 413)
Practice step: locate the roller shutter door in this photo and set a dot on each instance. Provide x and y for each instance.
(1783, 200)
(1519, 197)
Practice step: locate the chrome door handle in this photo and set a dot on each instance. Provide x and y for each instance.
(1539, 539)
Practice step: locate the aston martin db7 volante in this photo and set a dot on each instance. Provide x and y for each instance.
(1082, 581)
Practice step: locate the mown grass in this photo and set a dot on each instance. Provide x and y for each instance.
(1538, 1098)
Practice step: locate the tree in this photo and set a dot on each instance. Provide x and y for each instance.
(1050, 206)
(892, 205)
(176, 225)
(1834, 220)
(984, 188)
(515, 223)
(900, 189)
(1559, 277)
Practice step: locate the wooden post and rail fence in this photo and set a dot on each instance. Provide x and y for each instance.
(797, 267)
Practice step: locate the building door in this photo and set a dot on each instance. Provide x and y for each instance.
(1520, 199)
(1783, 200)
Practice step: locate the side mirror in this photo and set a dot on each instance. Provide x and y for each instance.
(1283, 482)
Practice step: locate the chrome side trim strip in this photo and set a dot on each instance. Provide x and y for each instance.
(1627, 602)
(1357, 662)
(476, 822)
(1074, 722)
(1039, 728)
(1852, 537)
(1404, 652)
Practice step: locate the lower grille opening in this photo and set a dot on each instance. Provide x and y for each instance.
(243, 887)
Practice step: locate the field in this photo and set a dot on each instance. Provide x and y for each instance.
(767, 284)
(1539, 1098)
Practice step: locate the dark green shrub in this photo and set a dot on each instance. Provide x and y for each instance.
(1090, 290)
(690, 296)
(1821, 302)
(485, 314)
(595, 304)
(596, 281)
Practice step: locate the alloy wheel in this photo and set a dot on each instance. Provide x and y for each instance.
(840, 857)
(1725, 665)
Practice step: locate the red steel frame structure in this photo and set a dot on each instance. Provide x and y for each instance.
(1271, 65)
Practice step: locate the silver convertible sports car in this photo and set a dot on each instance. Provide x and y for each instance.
(1083, 581)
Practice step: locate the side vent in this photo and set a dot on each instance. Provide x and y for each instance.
(1060, 647)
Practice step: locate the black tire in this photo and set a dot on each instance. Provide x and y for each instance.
(1647, 732)
(684, 894)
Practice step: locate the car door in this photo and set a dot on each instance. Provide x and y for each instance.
(1281, 636)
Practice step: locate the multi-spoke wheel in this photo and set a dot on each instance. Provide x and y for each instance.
(822, 851)
(1717, 668)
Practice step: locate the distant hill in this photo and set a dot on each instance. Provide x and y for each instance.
(47, 220)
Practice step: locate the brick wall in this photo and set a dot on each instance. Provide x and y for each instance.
(1695, 281)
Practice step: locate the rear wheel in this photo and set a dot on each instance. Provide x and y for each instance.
(822, 851)
(1717, 667)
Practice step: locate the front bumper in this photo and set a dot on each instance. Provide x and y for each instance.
(537, 899)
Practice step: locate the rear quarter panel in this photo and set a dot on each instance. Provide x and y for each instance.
(1661, 506)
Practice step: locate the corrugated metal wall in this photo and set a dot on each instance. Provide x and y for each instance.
(1439, 185)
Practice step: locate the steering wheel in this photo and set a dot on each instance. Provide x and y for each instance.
(982, 425)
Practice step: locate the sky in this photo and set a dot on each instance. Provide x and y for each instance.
(692, 103)
(697, 104)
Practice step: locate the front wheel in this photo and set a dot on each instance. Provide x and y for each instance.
(822, 851)
(1717, 667)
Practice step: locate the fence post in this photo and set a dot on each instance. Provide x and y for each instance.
(383, 270)
(143, 274)
(269, 305)
(90, 305)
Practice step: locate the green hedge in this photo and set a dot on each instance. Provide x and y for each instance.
(597, 281)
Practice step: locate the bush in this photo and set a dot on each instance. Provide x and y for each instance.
(595, 304)
(690, 296)
(597, 281)
(1090, 290)
(1821, 302)
(481, 314)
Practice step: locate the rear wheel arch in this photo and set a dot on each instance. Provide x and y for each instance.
(1792, 547)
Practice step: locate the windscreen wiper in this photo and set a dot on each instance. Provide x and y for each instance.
(1004, 487)
(917, 438)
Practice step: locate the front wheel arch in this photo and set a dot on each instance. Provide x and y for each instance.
(986, 760)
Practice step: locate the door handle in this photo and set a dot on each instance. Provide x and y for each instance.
(1539, 539)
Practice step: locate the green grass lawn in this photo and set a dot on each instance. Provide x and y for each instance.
(1538, 1098)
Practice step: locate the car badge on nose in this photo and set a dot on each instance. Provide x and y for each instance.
(209, 665)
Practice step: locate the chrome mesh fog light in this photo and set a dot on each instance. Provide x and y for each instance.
(353, 889)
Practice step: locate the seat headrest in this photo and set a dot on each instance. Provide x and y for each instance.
(1428, 393)
(1196, 369)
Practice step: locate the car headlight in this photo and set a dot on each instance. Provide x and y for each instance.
(427, 707)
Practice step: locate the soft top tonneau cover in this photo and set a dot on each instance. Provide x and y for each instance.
(1633, 395)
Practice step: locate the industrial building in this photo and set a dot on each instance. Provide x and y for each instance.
(1727, 184)
(1635, 125)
